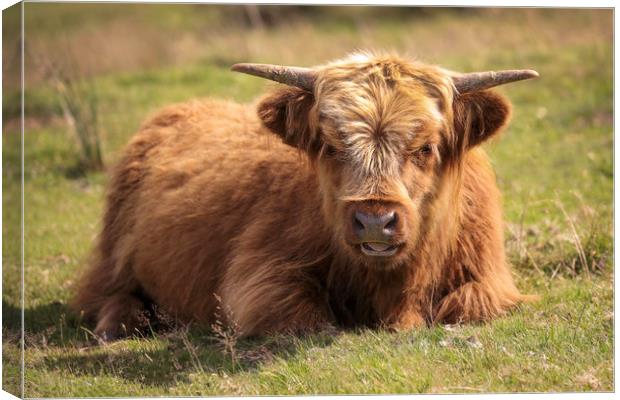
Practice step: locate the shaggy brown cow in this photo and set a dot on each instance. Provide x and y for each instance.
(376, 208)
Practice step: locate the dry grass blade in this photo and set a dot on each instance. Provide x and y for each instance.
(576, 239)
(227, 331)
(466, 388)
(522, 247)
(191, 349)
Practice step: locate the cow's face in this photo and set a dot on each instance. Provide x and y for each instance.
(382, 134)
(379, 162)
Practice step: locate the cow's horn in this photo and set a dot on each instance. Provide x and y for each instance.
(294, 76)
(474, 81)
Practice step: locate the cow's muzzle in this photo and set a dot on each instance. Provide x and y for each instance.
(376, 229)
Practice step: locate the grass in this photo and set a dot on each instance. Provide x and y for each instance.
(554, 166)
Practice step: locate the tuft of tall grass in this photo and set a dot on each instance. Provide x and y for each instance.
(567, 244)
(79, 102)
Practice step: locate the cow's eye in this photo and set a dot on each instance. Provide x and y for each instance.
(422, 155)
(425, 150)
(329, 151)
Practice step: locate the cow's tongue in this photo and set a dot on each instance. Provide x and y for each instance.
(377, 246)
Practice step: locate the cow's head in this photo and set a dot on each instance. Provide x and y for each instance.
(382, 131)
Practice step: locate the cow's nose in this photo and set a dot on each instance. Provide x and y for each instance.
(375, 227)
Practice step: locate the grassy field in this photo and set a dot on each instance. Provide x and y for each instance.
(554, 165)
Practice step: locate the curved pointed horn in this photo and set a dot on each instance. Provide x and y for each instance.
(293, 76)
(475, 81)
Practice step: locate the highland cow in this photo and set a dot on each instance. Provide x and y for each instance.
(376, 207)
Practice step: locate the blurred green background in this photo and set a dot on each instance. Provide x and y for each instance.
(93, 72)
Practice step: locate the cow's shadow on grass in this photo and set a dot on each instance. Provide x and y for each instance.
(36, 319)
(166, 360)
(160, 357)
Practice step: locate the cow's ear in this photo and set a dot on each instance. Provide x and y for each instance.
(479, 116)
(288, 113)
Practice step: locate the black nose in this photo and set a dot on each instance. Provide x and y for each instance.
(374, 227)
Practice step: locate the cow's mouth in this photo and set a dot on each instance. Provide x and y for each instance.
(377, 249)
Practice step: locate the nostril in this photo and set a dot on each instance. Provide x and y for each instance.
(358, 225)
(392, 221)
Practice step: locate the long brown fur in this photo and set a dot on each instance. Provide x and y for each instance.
(206, 203)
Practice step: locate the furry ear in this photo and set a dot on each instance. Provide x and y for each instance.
(479, 116)
(287, 113)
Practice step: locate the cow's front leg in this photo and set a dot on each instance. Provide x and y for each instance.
(268, 301)
(405, 316)
(272, 310)
(410, 319)
(476, 301)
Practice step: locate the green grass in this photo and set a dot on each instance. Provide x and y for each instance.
(554, 166)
